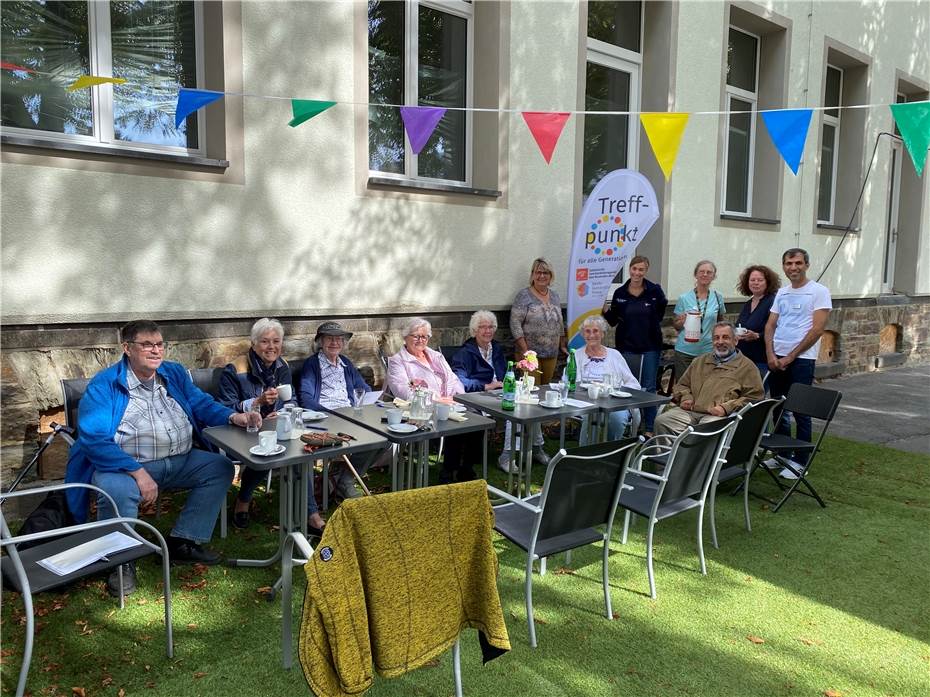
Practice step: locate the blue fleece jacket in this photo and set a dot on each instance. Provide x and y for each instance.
(101, 411)
(473, 370)
(310, 382)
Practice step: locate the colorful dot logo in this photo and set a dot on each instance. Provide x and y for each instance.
(604, 237)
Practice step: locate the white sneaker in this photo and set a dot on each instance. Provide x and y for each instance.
(505, 464)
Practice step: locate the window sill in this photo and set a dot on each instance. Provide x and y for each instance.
(750, 219)
(29, 144)
(389, 183)
(830, 229)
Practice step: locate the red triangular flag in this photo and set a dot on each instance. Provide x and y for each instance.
(546, 127)
(12, 66)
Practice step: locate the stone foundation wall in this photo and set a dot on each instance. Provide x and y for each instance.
(35, 358)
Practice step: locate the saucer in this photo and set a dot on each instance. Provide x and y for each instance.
(620, 393)
(543, 403)
(314, 415)
(402, 428)
(256, 450)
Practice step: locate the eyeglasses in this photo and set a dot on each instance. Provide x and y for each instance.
(420, 337)
(149, 346)
(543, 273)
(333, 339)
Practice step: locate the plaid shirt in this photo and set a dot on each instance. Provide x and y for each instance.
(333, 390)
(154, 426)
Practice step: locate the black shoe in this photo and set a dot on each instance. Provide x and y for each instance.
(184, 551)
(129, 579)
(240, 519)
(466, 475)
(445, 477)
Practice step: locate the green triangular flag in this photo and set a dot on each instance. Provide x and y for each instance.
(306, 109)
(913, 119)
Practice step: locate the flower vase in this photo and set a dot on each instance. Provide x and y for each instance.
(525, 389)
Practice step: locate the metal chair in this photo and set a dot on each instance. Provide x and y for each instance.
(579, 494)
(816, 402)
(689, 468)
(22, 571)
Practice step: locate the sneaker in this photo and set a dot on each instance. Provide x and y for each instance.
(540, 456)
(129, 580)
(346, 489)
(505, 464)
(184, 551)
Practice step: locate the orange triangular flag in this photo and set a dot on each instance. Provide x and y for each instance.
(546, 127)
(664, 132)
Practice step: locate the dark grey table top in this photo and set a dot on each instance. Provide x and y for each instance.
(637, 400)
(490, 402)
(372, 414)
(237, 441)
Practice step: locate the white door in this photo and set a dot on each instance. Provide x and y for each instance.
(891, 228)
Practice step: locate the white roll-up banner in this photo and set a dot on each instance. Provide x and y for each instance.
(616, 217)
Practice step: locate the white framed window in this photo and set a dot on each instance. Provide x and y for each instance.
(420, 53)
(829, 145)
(613, 78)
(742, 99)
(155, 46)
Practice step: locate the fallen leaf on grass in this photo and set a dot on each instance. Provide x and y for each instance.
(832, 693)
(121, 693)
(150, 684)
(192, 625)
(199, 674)
(78, 691)
(808, 642)
(755, 639)
(142, 601)
(616, 615)
(431, 664)
(564, 571)
(264, 589)
(202, 583)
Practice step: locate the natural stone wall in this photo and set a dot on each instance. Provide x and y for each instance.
(35, 358)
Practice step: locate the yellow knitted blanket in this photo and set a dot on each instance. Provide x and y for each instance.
(394, 580)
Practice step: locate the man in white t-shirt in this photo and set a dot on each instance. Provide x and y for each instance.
(792, 338)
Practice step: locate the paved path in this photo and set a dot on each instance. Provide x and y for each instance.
(890, 407)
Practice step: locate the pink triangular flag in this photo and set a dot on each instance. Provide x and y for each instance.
(4, 65)
(546, 127)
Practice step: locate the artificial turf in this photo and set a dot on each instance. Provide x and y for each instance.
(814, 601)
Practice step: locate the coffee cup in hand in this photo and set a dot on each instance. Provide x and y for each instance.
(285, 393)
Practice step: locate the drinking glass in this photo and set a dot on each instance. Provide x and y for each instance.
(358, 394)
(254, 422)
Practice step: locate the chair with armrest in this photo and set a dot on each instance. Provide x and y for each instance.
(806, 400)
(579, 495)
(23, 573)
(689, 466)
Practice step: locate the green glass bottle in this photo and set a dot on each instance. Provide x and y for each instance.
(509, 390)
(571, 370)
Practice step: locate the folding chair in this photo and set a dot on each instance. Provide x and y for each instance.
(816, 402)
(579, 494)
(690, 466)
(22, 571)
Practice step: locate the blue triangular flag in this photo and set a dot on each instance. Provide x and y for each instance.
(788, 130)
(190, 101)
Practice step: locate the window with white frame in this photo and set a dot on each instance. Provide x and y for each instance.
(612, 83)
(420, 53)
(829, 144)
(154, 46)
(742, 100)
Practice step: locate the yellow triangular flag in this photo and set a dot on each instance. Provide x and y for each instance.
(91, 80)
(664, 132)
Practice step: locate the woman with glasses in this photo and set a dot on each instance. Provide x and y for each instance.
(418, 366)
(705, 302)
(536, 320)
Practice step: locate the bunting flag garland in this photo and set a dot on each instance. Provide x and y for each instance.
(664, 131)
(306, 109)
(913, 119)
(12, 66)
(788, 131)
(91, 80)
(420, 122)
(190, 101)
(546, 127)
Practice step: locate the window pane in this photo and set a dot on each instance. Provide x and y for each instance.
(739, 140)
(617, 23)
(442, 81)
(385, 86)
(825, 190)
(831, 91)
(51, 38)
(606, 138)
(154, 50)
(741, 60)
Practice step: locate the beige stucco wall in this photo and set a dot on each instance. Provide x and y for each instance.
(292, 231)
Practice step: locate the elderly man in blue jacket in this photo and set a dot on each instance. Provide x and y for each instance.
(138, 421)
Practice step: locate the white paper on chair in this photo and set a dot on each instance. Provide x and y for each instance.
(71, 560)
(576, 403)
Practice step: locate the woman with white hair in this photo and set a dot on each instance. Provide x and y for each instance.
(250, 383)
(594, 362)
(418, 366)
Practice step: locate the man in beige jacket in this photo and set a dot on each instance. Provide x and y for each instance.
(716, 385)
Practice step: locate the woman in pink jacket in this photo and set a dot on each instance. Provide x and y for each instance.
(417, 365)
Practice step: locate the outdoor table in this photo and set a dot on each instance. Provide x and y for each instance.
(606, 404)
(293, 467)
(416, 444)
(522, 417)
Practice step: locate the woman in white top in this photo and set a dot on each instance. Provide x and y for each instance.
(594, 362)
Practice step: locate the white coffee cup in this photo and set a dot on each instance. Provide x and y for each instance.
(267, 441)
(394, 416)
(741, 331)
(594, 390)
(442, 412)
(285, 393)
(554, 398)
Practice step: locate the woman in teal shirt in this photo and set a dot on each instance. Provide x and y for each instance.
(704, 300)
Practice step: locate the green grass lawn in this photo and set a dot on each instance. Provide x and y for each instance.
(814, 601)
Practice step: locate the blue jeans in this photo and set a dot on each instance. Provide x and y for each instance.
(617, 421)
(207, 475)
(648, 383)
(780, 382)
